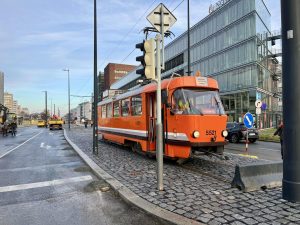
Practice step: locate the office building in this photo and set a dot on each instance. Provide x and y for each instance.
(114, 72)
(8, 101)
(233, 45)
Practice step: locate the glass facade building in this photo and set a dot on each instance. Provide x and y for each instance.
(232, 45)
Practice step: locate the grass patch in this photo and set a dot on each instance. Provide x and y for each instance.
(267, 135)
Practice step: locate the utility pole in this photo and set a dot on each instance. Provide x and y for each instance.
(46, 110)
(54, 109)
(69, 114)
(290, 26)
(95, 119)
(189, 40)
(159, 132)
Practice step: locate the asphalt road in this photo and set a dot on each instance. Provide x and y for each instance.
(43, 181)
(260, 149)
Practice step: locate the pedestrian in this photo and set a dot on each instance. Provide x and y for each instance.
(279, 132)
(85, 123)
(13, 128)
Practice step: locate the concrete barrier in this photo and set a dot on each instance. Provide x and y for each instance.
(257, 176)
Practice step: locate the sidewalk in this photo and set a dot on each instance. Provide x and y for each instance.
(191, 195)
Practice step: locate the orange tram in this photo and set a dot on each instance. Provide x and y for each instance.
(192, 114)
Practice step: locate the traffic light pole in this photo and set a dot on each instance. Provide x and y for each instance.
(95, 119)
(290, 11)
(159, 133)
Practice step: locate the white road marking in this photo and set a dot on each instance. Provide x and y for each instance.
(45, 146)
(44, 184)
(19, 145)
(72, 163)
(269, 149)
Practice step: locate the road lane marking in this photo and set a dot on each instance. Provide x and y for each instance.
(19, 145)
(44, 183)
(67, 164)
(269, 149)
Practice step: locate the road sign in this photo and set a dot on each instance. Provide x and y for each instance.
(264, 106)
(248, 120)
(155, 18)
(258, 103)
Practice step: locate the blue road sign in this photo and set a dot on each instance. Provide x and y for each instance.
(248, 120)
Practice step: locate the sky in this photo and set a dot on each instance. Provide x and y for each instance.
(38, 39)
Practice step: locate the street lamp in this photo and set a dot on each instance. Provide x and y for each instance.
(46, 113)
(69, 114)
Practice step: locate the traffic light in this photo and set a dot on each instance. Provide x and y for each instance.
(147, 59)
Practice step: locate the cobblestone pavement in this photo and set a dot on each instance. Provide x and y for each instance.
(188, 193)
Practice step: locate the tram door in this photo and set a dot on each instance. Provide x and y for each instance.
(151, 117)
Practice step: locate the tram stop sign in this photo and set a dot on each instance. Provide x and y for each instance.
(248, 120)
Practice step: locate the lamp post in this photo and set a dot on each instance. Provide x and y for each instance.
(69, 114)
(95, 119)
(46, 113)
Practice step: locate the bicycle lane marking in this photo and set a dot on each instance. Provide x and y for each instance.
(19, 145)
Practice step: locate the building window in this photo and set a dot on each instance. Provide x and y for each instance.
(136, 105)
(125, 106)
(116, 108)
(109, 110)
(178, 60)
(103, 111)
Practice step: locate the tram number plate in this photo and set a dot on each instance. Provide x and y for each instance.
(210, 132)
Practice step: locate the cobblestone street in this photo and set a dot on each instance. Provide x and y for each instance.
(190, 193)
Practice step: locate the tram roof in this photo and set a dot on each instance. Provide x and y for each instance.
(186, 81)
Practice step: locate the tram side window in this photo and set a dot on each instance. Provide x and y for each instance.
(136, 105)
(125, 106)
(103, 111)
(109, 110)
(116, 108)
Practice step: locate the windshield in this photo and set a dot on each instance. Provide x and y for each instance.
(197, 102)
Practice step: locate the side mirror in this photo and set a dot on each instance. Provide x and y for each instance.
(164, 97)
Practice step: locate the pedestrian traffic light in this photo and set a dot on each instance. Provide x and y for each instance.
(147, 59)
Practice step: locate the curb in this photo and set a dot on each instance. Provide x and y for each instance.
(129, 196)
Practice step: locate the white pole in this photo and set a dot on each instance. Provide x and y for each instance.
(159, 134)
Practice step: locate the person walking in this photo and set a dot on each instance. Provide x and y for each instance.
(279, 132)
(13, 128)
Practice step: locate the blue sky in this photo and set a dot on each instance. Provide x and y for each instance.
(38, 38)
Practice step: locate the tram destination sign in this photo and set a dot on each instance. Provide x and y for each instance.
(214, 7)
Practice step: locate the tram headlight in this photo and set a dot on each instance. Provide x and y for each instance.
(196, 134)
(224, 133)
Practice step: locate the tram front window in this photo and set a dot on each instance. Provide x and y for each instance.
(196, 102)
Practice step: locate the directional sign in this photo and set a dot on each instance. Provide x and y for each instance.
(258, 103)
(248, 120)
(264, 106)
(155, 18)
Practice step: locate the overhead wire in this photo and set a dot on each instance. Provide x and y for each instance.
(124, 37)
(172, 2)
(119, 43)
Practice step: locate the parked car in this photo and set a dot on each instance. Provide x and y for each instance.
(238, 131)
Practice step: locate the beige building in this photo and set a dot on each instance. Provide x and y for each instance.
(15, 107)
(9, 101)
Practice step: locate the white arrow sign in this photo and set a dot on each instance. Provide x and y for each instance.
(250, 123)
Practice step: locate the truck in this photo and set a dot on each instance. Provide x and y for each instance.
(55, 122)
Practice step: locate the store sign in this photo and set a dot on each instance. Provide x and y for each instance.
(214, 7)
